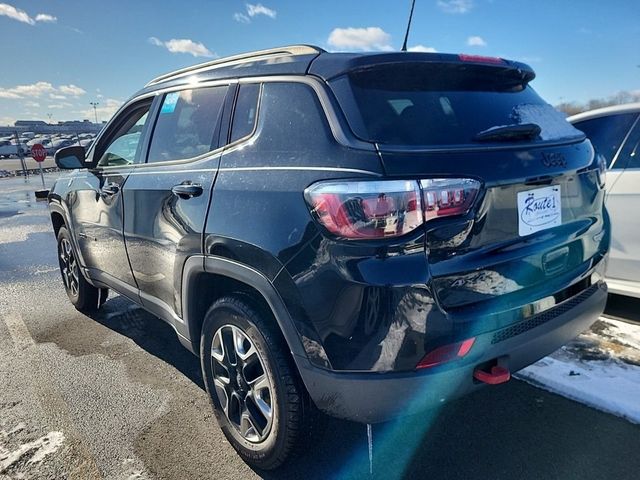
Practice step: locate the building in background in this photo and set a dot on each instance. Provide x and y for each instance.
(40, 126)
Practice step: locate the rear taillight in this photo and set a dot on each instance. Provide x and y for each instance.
(444, 197)
(366, 210)
(387, 208)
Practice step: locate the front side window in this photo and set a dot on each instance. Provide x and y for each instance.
(187, 124)
(607, 134)
(123, 145)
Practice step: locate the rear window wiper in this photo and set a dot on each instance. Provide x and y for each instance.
(520, 131)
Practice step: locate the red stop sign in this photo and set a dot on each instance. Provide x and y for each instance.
(38, 152)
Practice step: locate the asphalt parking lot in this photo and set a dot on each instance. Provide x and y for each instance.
(116, 397)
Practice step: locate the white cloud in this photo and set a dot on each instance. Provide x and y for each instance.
(476, 41)
(60, 105)
(8, 94)
(259, 9)
(370, 38)
(31, 104)
(252, 11)
(241, 17)
(46, 18)
(105, 110)
(16, 14)
(7, 121)
(22, 16)
(20, 91)
(421, 48)
(455, 6)
(39, 89)
(183, 45)
(72, 90)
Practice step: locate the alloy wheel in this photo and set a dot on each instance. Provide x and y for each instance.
(242, 384)
(68, 267)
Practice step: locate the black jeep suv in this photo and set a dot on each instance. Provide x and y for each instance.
(365, 234)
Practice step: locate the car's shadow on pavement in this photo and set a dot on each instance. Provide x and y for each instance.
(150, 333)
(623, 308)
(508, 431)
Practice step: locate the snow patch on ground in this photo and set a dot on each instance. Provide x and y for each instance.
(601, 368)
(627, 334)
(37, 449)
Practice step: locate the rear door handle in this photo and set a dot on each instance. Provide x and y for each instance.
(110, 188)
(187, 190)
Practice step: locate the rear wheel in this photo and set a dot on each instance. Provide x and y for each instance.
(259, 400)
(84, 296)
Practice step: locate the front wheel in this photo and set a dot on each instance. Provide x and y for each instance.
(258, 398)
(84, 296)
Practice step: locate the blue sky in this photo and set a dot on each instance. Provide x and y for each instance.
(59, 55)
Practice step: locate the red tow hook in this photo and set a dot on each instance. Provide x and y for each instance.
(497, 375)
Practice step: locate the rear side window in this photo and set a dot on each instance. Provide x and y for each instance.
(244, 115)
(441, 104)
(187, 124)
(608, 133)
(292, 119)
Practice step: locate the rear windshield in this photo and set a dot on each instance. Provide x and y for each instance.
(442, 104)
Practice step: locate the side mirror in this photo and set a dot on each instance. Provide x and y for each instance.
(70, 158)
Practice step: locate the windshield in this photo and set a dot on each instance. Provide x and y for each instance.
(440, 104)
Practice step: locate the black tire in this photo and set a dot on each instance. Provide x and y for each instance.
(84, 296)
(293, 414)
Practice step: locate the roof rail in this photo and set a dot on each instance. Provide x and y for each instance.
(234, 59)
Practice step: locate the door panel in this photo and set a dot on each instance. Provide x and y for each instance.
(166, 199)
(623, 203)
(162, 229)
(97, 209)
(97, 215)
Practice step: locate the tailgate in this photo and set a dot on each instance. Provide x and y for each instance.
(484, 261)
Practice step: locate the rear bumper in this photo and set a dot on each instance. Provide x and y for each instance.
(373, 398)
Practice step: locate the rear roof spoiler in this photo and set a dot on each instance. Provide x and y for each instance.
(331, 65)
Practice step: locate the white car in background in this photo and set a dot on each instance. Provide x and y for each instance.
(615, 133)
(9, 148)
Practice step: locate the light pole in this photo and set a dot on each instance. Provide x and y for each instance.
(49, 128)
(95, 111)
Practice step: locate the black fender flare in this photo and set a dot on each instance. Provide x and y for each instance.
(197, 264)
(59, 207)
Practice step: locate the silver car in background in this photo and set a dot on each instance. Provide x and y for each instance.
(615, 133)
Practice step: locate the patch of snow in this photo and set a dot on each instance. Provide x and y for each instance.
(38, 449)
(610, 385)
(600, 368)
(625, 333)
(18, 428)
(554, 124)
